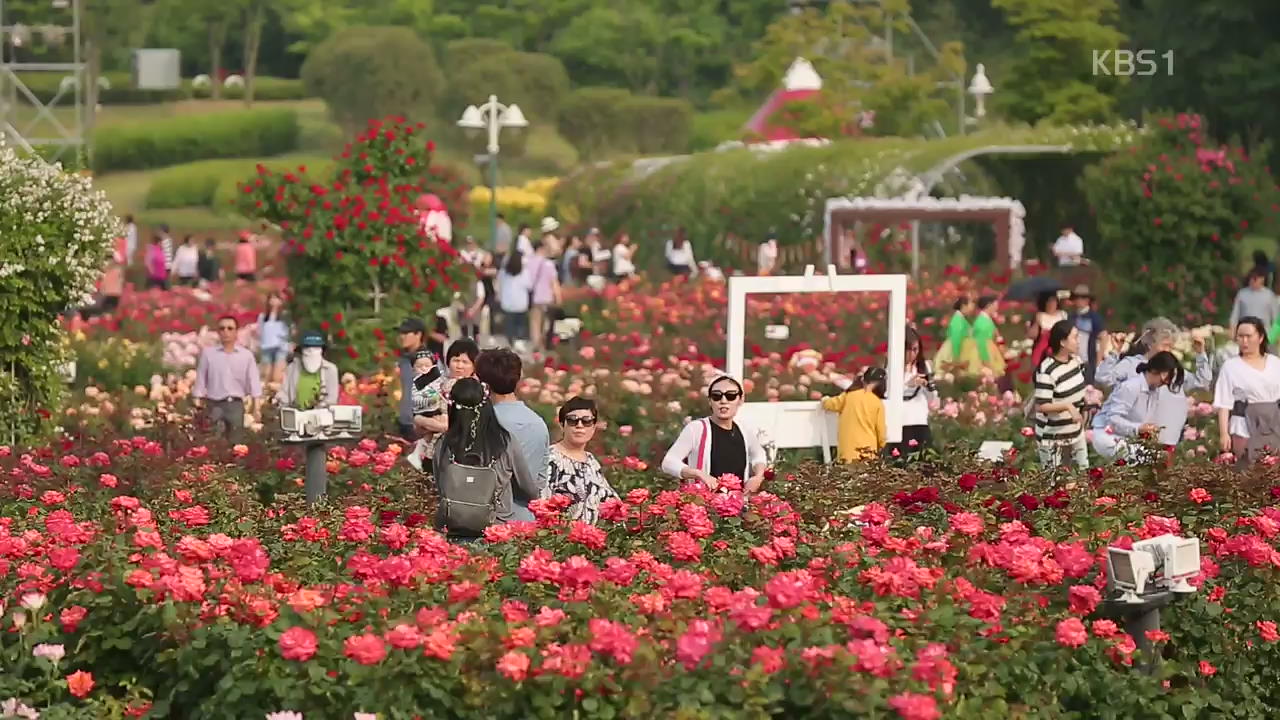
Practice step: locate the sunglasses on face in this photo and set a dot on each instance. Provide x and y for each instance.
(728, 395)
(227, 328)
(579, 421)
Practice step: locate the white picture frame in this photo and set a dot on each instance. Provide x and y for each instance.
(804, 424)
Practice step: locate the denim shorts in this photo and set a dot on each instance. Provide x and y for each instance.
(271, 356)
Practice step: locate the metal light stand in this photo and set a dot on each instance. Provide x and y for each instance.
(33, 133)
(1137, 619)
(315, 443)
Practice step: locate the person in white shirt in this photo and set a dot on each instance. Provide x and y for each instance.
(919, 392)
(1246, 395)
(767, 257)
(1069, 248)
(623, 267)
(515, 285)
(524, 243)
(715, 446)
(679, 253)
(186, 262)
(130, 240)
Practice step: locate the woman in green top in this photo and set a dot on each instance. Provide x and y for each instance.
(959, 332)
(985, 352)
(310, 381)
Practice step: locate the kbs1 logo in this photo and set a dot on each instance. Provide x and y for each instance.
(1128, 63)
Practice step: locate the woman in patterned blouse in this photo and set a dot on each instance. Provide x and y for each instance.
(572, 471)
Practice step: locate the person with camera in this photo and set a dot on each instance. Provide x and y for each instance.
(919, 392)
(310, 381)
(715, 446)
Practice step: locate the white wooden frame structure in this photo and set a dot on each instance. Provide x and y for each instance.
(804, 424)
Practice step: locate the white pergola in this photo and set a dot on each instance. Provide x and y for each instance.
(1006, 215)
(804, 424)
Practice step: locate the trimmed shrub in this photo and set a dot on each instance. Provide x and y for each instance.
(213, 182)
(657, 124)
(459, 54)
(55, 234)
(366, 73)
(594, 120)
(159, 143)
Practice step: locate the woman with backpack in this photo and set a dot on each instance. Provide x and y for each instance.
(475, 465)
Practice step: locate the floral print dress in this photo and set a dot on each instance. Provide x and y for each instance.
(582, 480)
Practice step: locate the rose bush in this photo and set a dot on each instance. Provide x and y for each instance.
(157, 578)
(356, 257)
(55, 233)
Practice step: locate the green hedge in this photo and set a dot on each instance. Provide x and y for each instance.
(264, 88)
(600, 121)
(746, 193)
(160, 143)
(212, 183)
(45, 87)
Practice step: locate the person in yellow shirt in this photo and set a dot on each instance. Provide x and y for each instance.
(861, 408)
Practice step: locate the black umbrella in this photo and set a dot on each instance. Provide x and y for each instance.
(1032, 288)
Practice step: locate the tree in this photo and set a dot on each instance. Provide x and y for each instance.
(1172, 214)
(314, 21)
(1223, 60)
(607, 43)
(355, 255)
(1052, 76)
(366, 73)
(849, 46)
(214, 19)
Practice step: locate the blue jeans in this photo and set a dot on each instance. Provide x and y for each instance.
(517, 326)
(520, 511)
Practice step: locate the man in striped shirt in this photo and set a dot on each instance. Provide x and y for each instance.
(1059, 399)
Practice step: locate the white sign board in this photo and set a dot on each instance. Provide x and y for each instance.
(805, 424)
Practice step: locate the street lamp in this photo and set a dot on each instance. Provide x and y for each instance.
(980, 88)
(492, 116)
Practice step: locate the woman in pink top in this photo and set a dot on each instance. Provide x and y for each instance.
(246, 258)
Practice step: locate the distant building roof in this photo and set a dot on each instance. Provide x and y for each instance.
(800, 83)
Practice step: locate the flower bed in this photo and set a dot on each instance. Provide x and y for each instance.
(148, 576)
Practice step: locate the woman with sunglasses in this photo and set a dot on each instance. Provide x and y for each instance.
(571, 470)
(715, 446)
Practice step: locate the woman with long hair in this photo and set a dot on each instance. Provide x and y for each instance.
(476, 450)
(1059, 400)
(679, 253)
(1247, 393)
(1048, 313)
(1130, 413)
(959, 333)
(514, 293)
(273, 339)
(918, 392)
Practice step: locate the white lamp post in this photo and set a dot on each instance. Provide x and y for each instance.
(492, 116)
(980, 88)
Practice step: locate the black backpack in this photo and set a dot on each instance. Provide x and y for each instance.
(468, 496)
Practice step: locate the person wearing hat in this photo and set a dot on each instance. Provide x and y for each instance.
(1090, 326)
(767, 257)
(549, 240)
(413, 338)
(310, 381)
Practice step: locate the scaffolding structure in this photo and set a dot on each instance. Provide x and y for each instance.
(29, 120)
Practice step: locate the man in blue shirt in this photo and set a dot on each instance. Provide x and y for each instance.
(501, 371)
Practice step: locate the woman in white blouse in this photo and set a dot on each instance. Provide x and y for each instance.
(623, 267)
(680, 259)
(1132, 410)
(1247, 394)
(919, 392)
(715, 446)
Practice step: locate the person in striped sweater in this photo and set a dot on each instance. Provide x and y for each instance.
(1059, 400)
